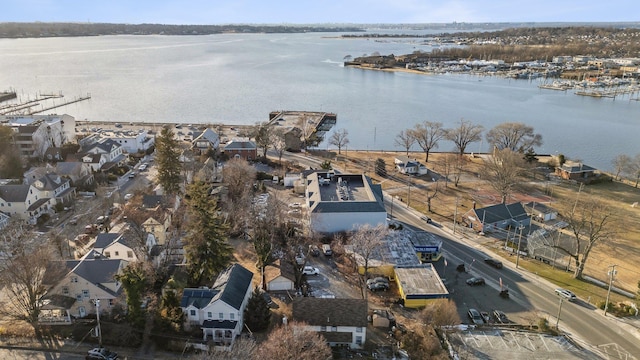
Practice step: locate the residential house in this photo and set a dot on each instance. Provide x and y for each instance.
(340, 321)
(110, 154)
(343, 202)
(408, 166)
(280, 276)
(219, 311)
(495, 217)
(242, 149)
(24, 201)
(114, 246)
(89, 279)
(541, 212)
(576, 171)
(55, 187)
(159, 221)
(130, 141)
(78, 172)
(205, 141)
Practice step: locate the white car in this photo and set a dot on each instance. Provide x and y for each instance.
(564, 293)
(128, 197)
(101, 353)
(310, 270)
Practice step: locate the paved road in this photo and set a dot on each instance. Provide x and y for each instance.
(531, 297)
(20, 354)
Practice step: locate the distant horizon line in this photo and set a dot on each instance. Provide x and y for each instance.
(332, 23)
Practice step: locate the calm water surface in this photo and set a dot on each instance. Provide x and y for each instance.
(239, 79)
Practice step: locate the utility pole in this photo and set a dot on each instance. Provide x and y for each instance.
(97, 301)
(559, 310)
(409, 193)
(455, 215)
(518, 251)
(611, 274)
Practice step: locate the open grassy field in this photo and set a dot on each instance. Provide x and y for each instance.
(623, 250)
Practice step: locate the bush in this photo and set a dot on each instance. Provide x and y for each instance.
(543, 325)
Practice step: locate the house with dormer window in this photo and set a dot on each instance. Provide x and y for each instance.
(219, 310)
(89, 279)
(24, 201)
(103, 154)
(114, 246)
(56, 187)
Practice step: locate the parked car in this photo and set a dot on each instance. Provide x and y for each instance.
(377, 279)
(493, 262)
(427, 219)
(143, 167)
(564, 293)
(74, 220)
(378, 286)
(314, 251)
(500, 316)
(128, 197)
(475, 316)
(485, 316)
(132, 175)
(475, 281)
(326, 250)
(310, 270)
(101, 353)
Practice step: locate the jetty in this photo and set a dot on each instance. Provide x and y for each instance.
(42, 103)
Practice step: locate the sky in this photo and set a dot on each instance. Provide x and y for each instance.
(202, 12)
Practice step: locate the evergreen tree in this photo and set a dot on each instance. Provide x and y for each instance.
(257, 315)
(168, 160)
(206, 243)
(134, 281)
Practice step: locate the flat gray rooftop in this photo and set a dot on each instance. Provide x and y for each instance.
(350, 189)
(420, 280)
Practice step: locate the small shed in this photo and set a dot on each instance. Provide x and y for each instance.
(541, 212)
(280, 277)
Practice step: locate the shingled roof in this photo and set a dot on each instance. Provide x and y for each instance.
(330, 312)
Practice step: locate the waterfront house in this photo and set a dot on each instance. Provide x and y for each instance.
(242, 149)
(36, 133)
(205, 140)
(496, 217)
(408, 166)
(342, 322)
(576, 171)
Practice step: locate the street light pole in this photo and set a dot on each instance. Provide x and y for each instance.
(518, 251)
(559, 310)
(455, 215)
(612, 272)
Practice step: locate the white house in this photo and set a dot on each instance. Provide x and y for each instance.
(343, 202)
(340, 321)
(24, 201)
(108, 151)
(131, 141)
(90, 279)
(406, 165)
(114, 246)
(56, 188)
(219, 311)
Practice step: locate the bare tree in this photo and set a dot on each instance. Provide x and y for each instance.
(365, 242)
(266, 224)
(26, 268)
(243, 349)
(279, 143)
(592, 222)
(294, 341)
(620, 163)
(405, 140)
(339, 138)
(503, 171)
(432, 195)
(463, 135)
(427, 135)
(440, 313)
(633, 169)
(239, 177)
(516, 137)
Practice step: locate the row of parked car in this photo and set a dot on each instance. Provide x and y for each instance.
(483, 317)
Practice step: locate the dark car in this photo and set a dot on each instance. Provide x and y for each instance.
(500, 316)
(378, 286)
(314, 250)
(475, 281)
(493, 262)
(427, 219)
(475, 316)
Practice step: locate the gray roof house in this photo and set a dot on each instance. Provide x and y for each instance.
(89, 279)
(495, 217)
(219, 311)
(340, 321)
(205, 140)
(343, 202)
(24, 201)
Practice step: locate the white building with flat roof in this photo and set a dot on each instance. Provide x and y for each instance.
(343, 202)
